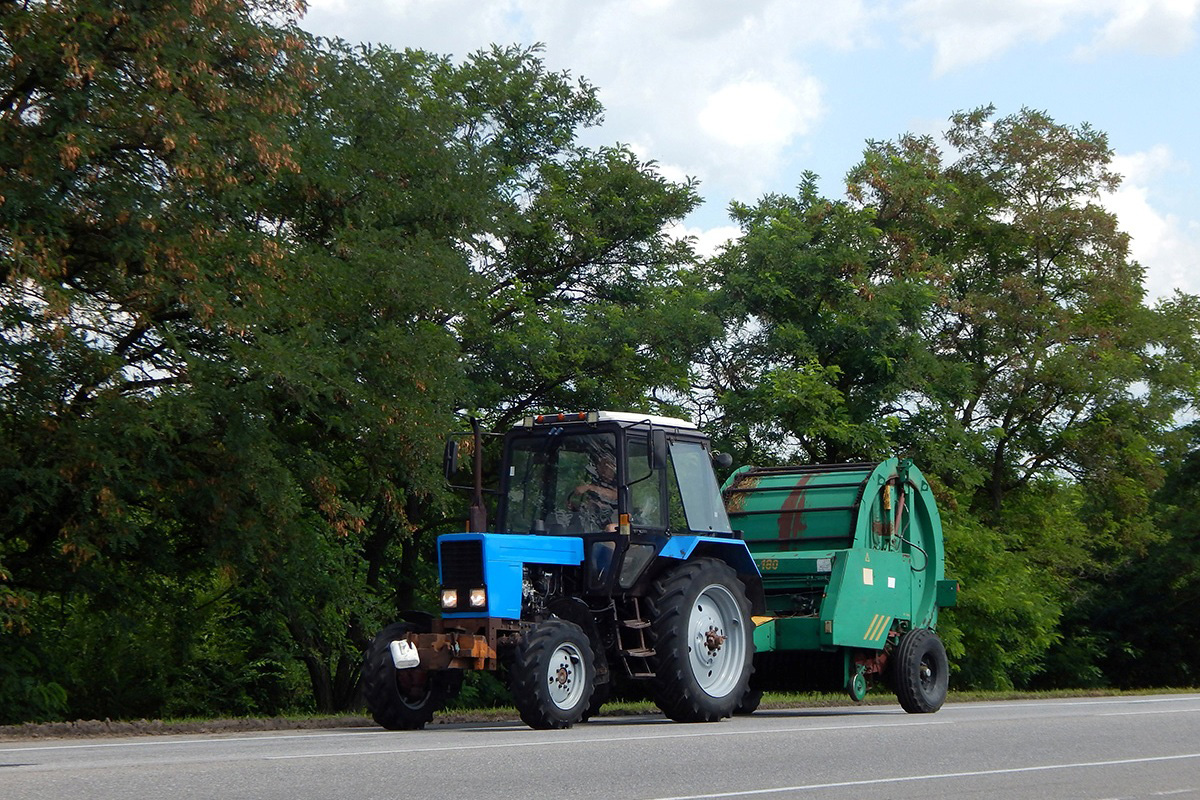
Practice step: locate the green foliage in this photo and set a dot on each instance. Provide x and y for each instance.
(249, 280)
(1139, 616)
(28, 696)
(1007, 614)
(827, 323)
(979, 313)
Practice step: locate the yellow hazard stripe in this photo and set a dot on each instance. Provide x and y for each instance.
(877, 628)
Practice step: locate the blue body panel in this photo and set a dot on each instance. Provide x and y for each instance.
(732, 551)
(504, 557)
(506, 554)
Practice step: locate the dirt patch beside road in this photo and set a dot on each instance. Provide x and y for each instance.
(155, 727)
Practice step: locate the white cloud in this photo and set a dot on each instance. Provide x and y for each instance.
(1162, 27)
(706, 241)
(1164, 244)
(714, 88)
(758, 114)
(965, 32)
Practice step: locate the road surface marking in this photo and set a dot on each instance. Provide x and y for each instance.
(933, 777)
(600, 740)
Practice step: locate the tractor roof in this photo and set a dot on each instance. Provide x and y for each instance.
(623, 417)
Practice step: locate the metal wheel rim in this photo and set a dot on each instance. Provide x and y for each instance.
(404, 690)
(716, 616)
(927, 674)
(564, 676)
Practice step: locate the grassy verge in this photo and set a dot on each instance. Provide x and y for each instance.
(771, 701)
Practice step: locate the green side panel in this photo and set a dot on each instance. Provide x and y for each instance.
(764, 637)
(868, 593)
(798, 633)
(947, 593)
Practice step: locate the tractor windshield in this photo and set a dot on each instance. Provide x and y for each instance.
(696, 485)
(564, 482)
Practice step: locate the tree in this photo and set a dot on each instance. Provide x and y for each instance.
(474, 257)
(980, 312)
(135, 145)
(1039, 333)
(827, 329)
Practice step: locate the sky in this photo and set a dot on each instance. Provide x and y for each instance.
(747, 95)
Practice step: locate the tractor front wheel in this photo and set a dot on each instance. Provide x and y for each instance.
(702, 641)
(921, 671)
(553, 675)
(403, 699)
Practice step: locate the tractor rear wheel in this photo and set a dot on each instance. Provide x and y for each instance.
(749, 702)
(920, 671)
(553, 675)
(703, 641)
(403, 699)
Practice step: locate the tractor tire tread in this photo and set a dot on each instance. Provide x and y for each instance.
(675, 690)
(527, 672)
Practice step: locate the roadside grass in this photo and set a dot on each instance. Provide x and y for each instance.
(616, 708)
(882, 697)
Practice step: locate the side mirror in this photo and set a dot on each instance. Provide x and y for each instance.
(450, 459)
(658, 449)
(722, 460)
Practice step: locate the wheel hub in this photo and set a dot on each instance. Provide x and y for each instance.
(562, 676)
(718, 641)
(713, 640)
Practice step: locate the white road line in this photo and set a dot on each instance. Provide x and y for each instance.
(1155, 711)
(601, 740)
(934, 777)
(268, 737)
(1041, 703)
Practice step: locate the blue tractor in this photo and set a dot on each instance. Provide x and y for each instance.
(611, 559)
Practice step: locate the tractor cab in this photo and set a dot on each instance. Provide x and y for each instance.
(596, 472)
(623, 483)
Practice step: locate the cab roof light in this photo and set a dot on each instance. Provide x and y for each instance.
(562, 416)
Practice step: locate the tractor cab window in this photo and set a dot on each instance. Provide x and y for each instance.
(563, 483)
(695, 489)
(645, 487)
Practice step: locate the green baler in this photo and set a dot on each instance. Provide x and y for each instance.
(852, 564)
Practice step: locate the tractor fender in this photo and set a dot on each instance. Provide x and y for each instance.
(732, 551)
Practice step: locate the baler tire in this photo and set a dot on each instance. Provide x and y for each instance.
(552, 676)
(690, 603)
(403, 699)
(920, 671)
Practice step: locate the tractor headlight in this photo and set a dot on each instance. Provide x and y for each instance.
(478, 598)
(449, 598)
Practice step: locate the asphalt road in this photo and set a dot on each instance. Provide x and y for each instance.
(1100, 749)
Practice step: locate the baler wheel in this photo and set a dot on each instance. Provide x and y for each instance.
(553, 675)
(921, 671)
(702, 641)
(403, 699)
